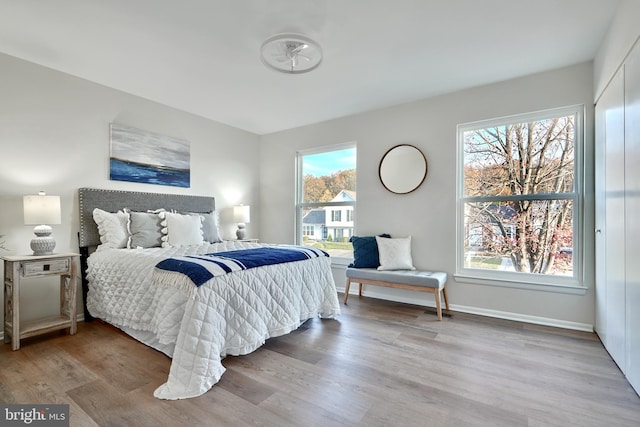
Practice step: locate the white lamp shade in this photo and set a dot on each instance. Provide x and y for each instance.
(41, 209)
(241, 213)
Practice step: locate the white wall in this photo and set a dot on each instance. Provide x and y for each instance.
(623, 33)
(54, 136)
(428, 214)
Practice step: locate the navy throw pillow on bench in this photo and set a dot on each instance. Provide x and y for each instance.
(365, 251)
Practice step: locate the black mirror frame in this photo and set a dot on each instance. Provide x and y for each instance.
(415, 187)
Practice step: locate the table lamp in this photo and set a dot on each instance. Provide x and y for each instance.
(241, 215)
(41, 210)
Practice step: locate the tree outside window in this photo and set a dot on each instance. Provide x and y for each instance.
(326, 187)
(519, 195)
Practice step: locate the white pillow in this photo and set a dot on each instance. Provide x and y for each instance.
(395, 253)
(181, 230)
(113, 228)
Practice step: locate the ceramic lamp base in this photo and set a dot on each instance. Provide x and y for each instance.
(241, 232)
(44, 244)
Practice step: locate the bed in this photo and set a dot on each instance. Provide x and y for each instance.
(138, 290)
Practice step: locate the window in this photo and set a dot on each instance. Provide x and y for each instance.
(519, 198)
(326, 196)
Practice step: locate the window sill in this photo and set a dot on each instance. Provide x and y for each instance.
(557, 288)
(339, 262)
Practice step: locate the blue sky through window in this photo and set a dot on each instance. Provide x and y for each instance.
(323, 164)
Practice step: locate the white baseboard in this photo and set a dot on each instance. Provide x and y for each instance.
(525, 318)
(536, 320)
(374, 292)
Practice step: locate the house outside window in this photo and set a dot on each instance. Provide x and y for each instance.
(326, 198)
(520, 198)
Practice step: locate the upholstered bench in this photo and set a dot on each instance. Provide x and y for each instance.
(415, 280)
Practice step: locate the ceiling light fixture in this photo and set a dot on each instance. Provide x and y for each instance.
(291, 53)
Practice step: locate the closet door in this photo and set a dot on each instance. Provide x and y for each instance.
(610, 279)
(632, 214)
(600, 217)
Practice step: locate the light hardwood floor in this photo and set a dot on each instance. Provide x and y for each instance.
(379, 364)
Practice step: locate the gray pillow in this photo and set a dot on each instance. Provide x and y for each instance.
(145, 230)
(210, 226)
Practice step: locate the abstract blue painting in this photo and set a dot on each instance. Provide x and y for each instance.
(147, 157)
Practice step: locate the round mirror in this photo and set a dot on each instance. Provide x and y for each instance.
(402, 169)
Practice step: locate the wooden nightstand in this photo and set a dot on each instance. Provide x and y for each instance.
(18, 267)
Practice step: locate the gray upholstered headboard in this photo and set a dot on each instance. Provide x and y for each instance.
(113, 200)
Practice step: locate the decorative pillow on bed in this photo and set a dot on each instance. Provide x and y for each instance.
(210, 226)
(395, 254)
(181, 230)
(145, 231)
(365, 251)
(113, 228)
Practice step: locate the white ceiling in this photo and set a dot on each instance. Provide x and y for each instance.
(202, 56)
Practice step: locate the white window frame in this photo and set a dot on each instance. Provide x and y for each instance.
(552, 283)
(308, 230)
(300, 205)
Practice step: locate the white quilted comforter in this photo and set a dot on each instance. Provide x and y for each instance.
(231, 314)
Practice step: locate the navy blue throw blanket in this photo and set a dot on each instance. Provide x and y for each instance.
(201, 268)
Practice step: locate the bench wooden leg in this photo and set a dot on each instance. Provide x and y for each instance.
(446, 301)
(438, 304)
(346, 290)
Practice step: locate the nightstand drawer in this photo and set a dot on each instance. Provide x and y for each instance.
(40, 268)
